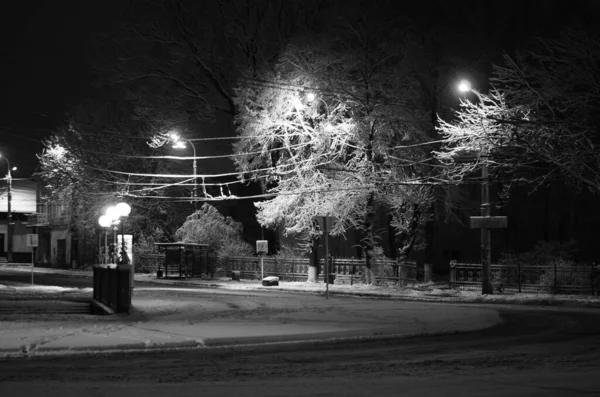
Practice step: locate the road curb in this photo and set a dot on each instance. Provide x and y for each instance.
(240, 344)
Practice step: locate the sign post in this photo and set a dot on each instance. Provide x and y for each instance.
(488, 222)
(262, 247)
(32, 241)
(325, 223)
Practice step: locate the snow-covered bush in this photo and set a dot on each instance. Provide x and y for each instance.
(223, 235)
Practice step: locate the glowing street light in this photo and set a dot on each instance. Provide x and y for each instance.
(464, 86)
(9, 234)
(112, 217)
(310, 96)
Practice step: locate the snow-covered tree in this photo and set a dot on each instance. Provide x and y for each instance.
(224, 236)
(333, 129)
(84, 167)
(540, 121)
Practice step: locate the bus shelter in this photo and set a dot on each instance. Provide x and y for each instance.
(190, 259)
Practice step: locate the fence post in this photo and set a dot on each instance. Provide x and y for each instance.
(555, 289)
(427, 272)
(593, 278)
(519, 275)
(452, 274)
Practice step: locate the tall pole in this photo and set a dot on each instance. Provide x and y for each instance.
(486, 238)
(122, 241)
(105, 261)
(486, 211)
(326, 257)
(195, 191)
(114, 243)
(9, 229)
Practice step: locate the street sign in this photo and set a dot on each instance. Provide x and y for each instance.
(262, 247)
(32, 240)
(488, 222)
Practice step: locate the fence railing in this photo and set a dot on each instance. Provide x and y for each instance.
(111, 287)
(345, 270)
(557, 279)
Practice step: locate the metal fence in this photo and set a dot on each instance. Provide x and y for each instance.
(345, 270)
(556, 279)
(149, 263)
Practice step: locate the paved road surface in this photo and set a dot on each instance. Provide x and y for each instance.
(532, 354)
(535, 352)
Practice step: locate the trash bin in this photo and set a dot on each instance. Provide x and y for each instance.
(235, 275)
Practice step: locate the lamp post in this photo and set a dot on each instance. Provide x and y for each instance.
(116, 214)
(486, 209)
(105, 223)
(179, 143)
(123, 210)
(9, 234)
(113, 216)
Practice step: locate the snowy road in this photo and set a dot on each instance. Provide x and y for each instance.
(533, 353)
(536, 351)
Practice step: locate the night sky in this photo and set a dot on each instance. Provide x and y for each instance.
(43, 70)
(46, 58)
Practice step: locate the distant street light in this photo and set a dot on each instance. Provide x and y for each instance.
(179, 143)
(486, 210)
(9, 230)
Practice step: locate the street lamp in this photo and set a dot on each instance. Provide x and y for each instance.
(113, 217)
(464, 86)
(105, 223)
(179, 143)
(486, 210)
(9, 256)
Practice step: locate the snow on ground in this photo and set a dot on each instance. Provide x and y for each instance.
(429, 292)
(177, 317)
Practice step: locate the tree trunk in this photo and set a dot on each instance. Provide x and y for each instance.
(369, 240)
(313, 264)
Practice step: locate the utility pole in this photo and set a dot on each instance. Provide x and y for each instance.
(9, 229)
(486, 252)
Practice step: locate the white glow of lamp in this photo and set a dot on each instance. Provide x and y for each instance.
(464, 86)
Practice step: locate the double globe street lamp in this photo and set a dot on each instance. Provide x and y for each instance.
(112, 217)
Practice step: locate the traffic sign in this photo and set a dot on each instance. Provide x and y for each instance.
(488, 222)
(262, 246)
